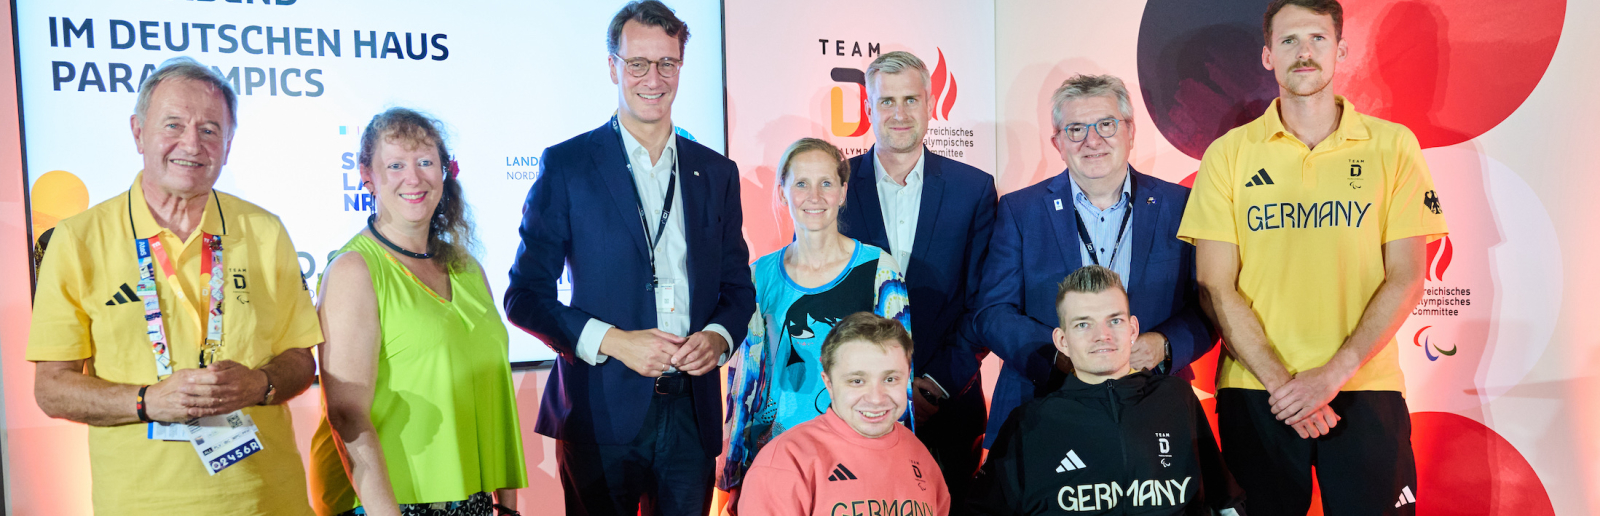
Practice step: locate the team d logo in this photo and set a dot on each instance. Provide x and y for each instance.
(853, 82)
(858, 80)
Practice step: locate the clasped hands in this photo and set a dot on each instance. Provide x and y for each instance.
(223, 387)
(651, 352)
(1302, 402)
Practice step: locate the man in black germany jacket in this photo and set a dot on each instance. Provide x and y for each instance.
(1110, 440)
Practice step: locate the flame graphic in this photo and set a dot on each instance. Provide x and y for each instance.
(941, 78)
(1440, 252)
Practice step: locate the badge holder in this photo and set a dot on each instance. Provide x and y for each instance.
(221, 440)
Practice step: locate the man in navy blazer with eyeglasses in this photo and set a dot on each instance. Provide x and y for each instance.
(650, 224)
(1098, 211)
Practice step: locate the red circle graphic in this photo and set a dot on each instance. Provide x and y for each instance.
(1464, 467)
(1449, 70)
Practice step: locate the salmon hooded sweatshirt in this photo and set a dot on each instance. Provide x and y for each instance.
(823, 467)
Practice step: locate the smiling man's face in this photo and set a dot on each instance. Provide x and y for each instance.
(185, 137)
(1096, 156)
(867, 383)
(646, 99)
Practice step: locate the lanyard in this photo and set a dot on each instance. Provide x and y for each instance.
(1083, 235)
(150, 251)
(666, 205)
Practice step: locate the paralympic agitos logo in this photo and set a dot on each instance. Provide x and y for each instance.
(1426, 343)
(942, 97)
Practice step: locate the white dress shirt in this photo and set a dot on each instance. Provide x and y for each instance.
(672, 253)
(901, 205)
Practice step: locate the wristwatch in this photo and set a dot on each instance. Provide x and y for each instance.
(1166, 363)
(266, 399)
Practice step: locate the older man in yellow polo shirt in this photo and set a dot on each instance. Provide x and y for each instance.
(172, 319)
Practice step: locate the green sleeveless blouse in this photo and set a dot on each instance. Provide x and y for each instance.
(444, 406)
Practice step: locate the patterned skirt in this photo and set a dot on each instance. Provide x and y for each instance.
(481, 504)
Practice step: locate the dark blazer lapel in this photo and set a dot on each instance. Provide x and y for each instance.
(694, 185)
(1066, 227)
(605, 147)
(932, 199)
(865, 205)
(1145, 216)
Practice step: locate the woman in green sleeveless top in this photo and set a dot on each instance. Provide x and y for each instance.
(421, 415)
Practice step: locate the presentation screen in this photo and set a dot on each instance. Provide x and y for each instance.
(508, 79)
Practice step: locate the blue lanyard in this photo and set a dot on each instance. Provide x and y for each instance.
(1083, 235)
(666, 205)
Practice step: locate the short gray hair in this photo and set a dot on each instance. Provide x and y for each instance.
(183, 67)
(896, 62)
(1084, 86)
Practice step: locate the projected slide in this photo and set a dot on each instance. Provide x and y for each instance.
(507, 78)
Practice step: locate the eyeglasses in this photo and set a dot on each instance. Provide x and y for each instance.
(1107, 127)
(639, 66)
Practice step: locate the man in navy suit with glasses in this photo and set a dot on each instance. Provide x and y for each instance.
(1097, 212)
(649, 223)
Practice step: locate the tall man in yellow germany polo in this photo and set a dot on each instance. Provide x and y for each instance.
(1310, 225)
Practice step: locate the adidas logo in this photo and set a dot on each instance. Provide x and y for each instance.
(1406, 497)
(841, 473)
(1261, 178)
(1070, 463)
(123, 297)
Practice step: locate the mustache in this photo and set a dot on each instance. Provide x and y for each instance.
(1305, 63)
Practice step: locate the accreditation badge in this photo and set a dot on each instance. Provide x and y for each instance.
(666, 296)
(223, 440)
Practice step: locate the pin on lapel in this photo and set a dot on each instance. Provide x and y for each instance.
(1058, 204)
(697, 173)
(1150, 200)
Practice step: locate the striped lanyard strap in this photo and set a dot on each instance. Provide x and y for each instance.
(150, 251)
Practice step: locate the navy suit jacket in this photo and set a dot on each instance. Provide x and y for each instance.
(583, 211)
(1035, 246)
(953, 226)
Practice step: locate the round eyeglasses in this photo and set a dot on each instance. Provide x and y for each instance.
(639, 66)
(1106, 127)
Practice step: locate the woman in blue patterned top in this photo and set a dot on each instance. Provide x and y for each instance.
(802, 291)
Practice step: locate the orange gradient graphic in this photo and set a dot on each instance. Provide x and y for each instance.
(55, 196)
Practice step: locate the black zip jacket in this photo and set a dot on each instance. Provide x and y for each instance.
(1136, 445)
